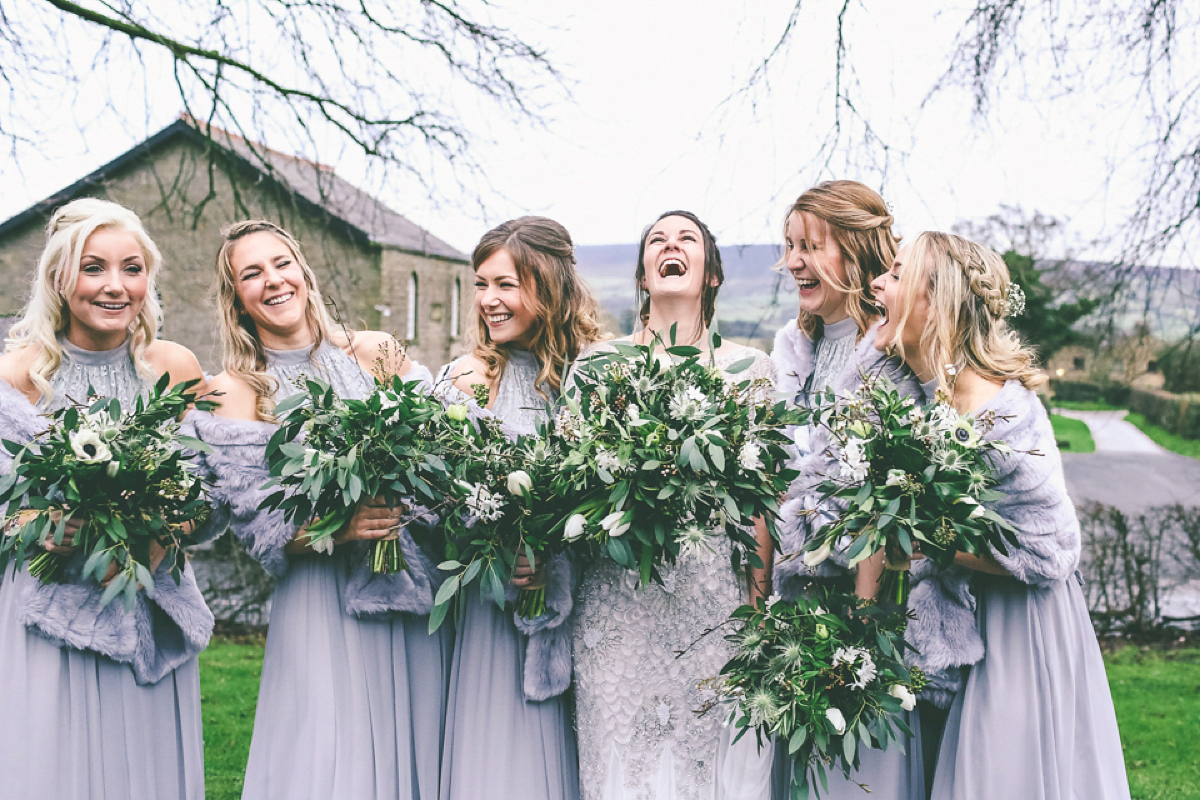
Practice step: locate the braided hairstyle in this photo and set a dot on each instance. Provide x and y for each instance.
(859, 221)
(967, 286)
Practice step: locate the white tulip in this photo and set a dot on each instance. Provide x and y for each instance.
(613, 525)
(837, 720)
(908, 700)
(576, 527)
(814, 557)
(324, 545)
(519, 482)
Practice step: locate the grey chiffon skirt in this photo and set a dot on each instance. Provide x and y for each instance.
(498, 745)
(347, 707)
(76, 724)
(1035, 719)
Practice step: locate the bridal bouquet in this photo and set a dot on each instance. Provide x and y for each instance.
(125, 473)
(909, 478)
(665, 452)
(823, 674)
(330, 453)
(508, 508)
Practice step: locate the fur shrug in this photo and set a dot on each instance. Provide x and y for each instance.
(169, 624)
(238, 462)
(803, 511)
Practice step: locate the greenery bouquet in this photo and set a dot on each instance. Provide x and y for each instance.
(125, 473)
(508, 508)
(662, 452)
(909, 478)
(825, 676)
(331, 453)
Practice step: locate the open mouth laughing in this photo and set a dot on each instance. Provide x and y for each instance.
(672, 267)
(279, 299)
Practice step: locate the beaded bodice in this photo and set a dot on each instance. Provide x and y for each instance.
(636, 699)
(518, 402)
(326, 362)
(104, 373)
(832, 353)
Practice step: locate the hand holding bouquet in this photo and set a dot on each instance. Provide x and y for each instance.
(330, 454)
(909, 478)
(124, 474)
(509, 509)
(823, 674)
(664, 452)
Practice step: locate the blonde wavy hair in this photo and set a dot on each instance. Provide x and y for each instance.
(859, 221)
(967, 287)
(565, 314)
(242, 353)
(47, 315)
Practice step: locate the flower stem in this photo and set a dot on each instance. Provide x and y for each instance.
(531, 602)
(387, 558)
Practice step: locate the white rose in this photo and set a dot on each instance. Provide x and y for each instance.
(575, 528)
(908, 700)
(814, 557)
(519, 482)
(837, 720)
(633, 413)
(613, 525)
(89, 447)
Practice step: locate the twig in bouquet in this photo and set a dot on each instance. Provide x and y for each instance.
(681, 653)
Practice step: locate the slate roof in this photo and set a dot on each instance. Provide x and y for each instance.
(312, 184)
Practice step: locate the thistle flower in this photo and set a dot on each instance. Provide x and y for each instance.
(763, 707)
(688, 404)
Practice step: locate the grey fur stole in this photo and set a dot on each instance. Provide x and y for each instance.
(239, 466)
(168, 626)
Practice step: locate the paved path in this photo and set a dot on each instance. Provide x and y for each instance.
(1112, 433)
(1133, 482)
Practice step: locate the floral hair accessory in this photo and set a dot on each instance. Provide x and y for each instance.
(1014, 301)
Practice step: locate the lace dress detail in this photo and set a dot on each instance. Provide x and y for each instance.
(104, 373)
(518, 402)
(325, 363)
(636, 701)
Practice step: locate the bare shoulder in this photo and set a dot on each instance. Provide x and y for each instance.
(171, 358)
(15, 367)
(378, 353)
(469, 372)
(236, 397)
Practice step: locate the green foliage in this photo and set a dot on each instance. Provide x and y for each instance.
(908, 478)
(1176, 414)
(824, 674)
(1180, 366)
(662, 452)
(330, 454)
(1045, 324)
(124, 474)
(1072, 434)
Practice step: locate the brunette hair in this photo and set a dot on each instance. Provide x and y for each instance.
(714, 271)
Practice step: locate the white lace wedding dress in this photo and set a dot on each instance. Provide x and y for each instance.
(640, 737)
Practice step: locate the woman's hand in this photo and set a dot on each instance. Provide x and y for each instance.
(372, 520)
(69, 531)
(526, 574)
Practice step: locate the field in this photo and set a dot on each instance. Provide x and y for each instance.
(1156, 692)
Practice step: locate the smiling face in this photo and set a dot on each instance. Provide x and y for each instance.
(818, 267)
(673, 260)
(905, 306)
(109, 290)
(270, 287)
(501, 301)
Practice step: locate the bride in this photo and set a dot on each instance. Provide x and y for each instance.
(639, 735)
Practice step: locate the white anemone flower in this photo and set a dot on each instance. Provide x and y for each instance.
(89, 447)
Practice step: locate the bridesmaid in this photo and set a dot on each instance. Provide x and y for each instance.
(1035, 718)
(509, 731)
(352, 698)
(638, 734)
(97, 703)
(838, 238)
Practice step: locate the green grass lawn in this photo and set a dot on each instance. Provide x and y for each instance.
(1176, 444)
(1072, 435)
(1082, 406)
(1156, 693)
(229, 672)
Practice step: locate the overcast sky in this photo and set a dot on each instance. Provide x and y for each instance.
(650, 126)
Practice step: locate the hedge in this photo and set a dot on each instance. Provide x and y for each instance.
(1087, 392)
(1176, 413)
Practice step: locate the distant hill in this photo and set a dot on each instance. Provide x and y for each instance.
(754, 302)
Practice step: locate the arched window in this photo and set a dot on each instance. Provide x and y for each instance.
(454, 299)
(411, 335)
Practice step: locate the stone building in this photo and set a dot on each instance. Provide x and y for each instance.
(380, 270)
